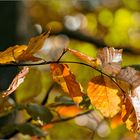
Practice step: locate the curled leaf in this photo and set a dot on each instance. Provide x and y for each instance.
(90, 60)
(110, 60)
(103, 94)
(131, 114)
(16, 81)
(63, 76)
(21, 53)
(34, 45)
(130, 75)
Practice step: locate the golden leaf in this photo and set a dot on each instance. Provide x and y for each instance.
(34, 45)
(16, 81)
(11, 54)
(63, 76)
(68, 111)
(88, 59)
(110, 60)
(103, 94)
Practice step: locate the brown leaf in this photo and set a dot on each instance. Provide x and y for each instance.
(16, 81)
(103, 94)
(34, 45)
(63, 76)
(11, 54)
(131, 114)
(130, 75)
(110, 60)
(90, 60)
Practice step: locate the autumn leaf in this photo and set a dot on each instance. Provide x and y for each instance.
(63, 76)
(110, 60)
(90, 60)
(103, 94)
(131, 105)
(21, 53)
(11, 54)
(68, 111)
(131, 76)
(16, 81)
(116, 121)
(34, 45)
(130, 115)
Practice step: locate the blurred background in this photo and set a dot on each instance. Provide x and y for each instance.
(83, 25)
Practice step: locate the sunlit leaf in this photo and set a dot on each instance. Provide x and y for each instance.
(63, 76)
(39, 112)
(16, 81)
(32, 130)
(34, 45)
(130, 115)
(90, 60)
(103, 94)
(68, 111)
(12, 53)
(110, 60)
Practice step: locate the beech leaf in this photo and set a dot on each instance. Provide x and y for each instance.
(34, 45)
(110, 60)
(16, 81)
(11, 54)
(63, 76)
(90, 60)
(103, 94)
(131, 114)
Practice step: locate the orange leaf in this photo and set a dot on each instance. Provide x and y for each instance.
(16, 81)
(110, 60)
(68, 111)
(11, 54)
(130, 115)
(34, 45)
(63, 76)
(88, 59)
(116, 121)
(103, 94)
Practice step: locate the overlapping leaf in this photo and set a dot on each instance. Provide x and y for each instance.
(34, 45)
(11, 54)
(16, 81)
(110, 60)
(131, 105)
(63, 76)
(20, 53)
(103, 94)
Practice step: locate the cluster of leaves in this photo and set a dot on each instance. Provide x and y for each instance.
(115, 92)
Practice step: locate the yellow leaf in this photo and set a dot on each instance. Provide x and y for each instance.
(11, 54)
(34, 45)
(103, 94)
(63, 76)
(88, 59)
